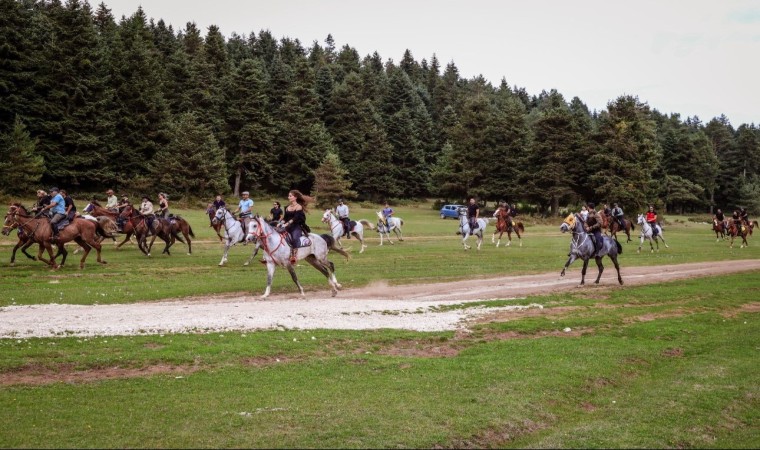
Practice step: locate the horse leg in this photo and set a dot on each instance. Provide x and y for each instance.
(253, 254)
(509, 238)
(663, 240)
(519, 238)
(47, 247)
(583, 271)
(399, 235)
(360, 238)
(567, 264)
(226, 250)
(98, 246)
(480, 239)
(464, 240)
(86, 248)
(617, 267)
(62, 251)
(325, 270)
(270, 275)
(601, 268)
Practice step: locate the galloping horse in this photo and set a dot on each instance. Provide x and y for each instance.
(647, 233)
(742, 232)
(503, 226)
(216, 225)
(82, 231)
(719, 228)
(93, 208)
(464, 229)
(277, 253)
(582, 247)
(177, 225)
(158, 228)
(24, 241)
(336, 228)
(613, 226)
(393, 224)
(233, 233)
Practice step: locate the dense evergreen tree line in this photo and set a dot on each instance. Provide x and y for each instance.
(90, 102)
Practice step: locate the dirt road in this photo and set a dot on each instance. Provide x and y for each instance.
(412, 307)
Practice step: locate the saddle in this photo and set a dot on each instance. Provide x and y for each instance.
(62, 224)
(304, 241)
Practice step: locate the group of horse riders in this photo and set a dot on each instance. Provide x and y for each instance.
(739, 218)
(59, 207)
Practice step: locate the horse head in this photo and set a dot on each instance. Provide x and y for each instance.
(219, 215)
(568, 224)
(640, 219)
(326, 216)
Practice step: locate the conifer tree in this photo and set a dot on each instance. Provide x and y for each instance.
(21, 167)
(331, 182)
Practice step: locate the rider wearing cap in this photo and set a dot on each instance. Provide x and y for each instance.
(245, 207)
(342, 211)
(58, 207)
(146, 210)
(111, 201)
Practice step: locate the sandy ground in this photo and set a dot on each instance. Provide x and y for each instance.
(411, 307)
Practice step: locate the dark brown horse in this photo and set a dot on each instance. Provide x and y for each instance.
(158, 228)
(216, 225)
(611, 226)
(742, 232)
(505, 224)
(178, 225)
(96, 210)
(81, 231)
(24, 241)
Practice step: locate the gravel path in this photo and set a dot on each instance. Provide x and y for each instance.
(411, 307)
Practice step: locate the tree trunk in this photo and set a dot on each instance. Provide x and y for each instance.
(555, 206)
(238, 178)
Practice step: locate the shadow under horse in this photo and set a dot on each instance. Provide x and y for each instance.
(582, 247)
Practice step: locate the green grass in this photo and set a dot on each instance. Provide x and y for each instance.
(669, 365)
(431, 252)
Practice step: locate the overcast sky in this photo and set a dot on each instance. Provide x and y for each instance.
(692, 57)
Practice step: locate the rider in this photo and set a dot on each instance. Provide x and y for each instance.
(651, 219)
(213, 208)
(342, 211)
(58, 208)
(387, 213)
(71, 209)
(594, 227)
(584, 213)
(512, 212)
(295, 220)
(473, 211)
(607, 211)
(245, 207)
(617, 214)
(122, 204)
(744, 216)
(163, 205)
(112, 202)
(146, 210)
(721, 219)
(43, 199)
(737, 219)
(276, 212)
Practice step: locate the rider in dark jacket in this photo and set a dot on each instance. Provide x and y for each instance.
(594, 227)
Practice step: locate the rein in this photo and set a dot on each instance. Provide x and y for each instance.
(334, 220)
(264, 238)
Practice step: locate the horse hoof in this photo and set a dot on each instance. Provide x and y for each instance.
(103, 262)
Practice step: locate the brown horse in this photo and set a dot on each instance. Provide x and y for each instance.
(159, 228)
(614, 227)
(178, 225)
(720, 230)
(742, 232)
(81, 231)
(24, 241)
(216, 225)
(96, 210)
(505, 224)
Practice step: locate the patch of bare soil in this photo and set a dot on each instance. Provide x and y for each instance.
(67, 373)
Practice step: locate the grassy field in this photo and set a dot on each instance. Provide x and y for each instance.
(667, 365)
(670, 365)
(430, 252)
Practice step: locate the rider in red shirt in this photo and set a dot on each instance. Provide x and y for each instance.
(651, 219)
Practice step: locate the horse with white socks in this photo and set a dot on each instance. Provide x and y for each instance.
(387, 224)
(336, 228)
(648, 234)
(233, 234)
(464, 229)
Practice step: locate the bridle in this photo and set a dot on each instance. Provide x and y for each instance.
(15, 213)
(328, 217)
(263, 237)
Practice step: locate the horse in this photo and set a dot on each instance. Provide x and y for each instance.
(215, 225)
(720, 230)
(93, 208)
(80, 230)
(386, 225)
(177, 225)
(24, 241)
(233, 233)
(277, 253)
(647, 233)
(336, 228)
(742, 231)
(159, 228)
(613, 226)
(464, 229)
(503, 225)
(582, 247)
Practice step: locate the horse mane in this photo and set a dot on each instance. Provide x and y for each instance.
(95, 202)
(20, 206)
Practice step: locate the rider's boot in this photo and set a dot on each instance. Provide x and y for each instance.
(293, 258)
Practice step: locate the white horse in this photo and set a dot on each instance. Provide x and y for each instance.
(647, 233)
(393, 224)
(277, 253)
(336, 228)
(464, 229)
(233, 234)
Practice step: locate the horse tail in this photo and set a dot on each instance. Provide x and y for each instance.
(633, 226)
(401, 221)
(107, 227)
(330, 241)
(367, 223)
(190, 231)
(520, 226)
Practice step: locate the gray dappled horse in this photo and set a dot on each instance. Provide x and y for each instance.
(648, 234)
(277, 253)
(464, 229)
(233, 234)
(582, 247)
(393, 224)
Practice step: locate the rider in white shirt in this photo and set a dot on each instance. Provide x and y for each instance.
(342, 211)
